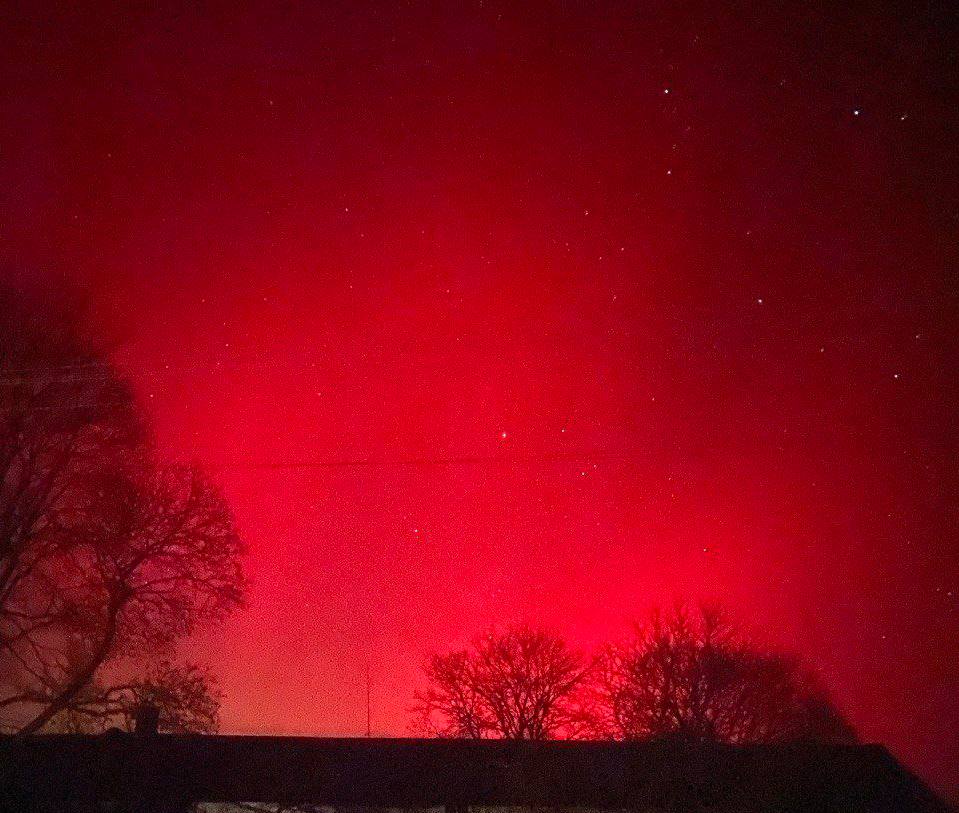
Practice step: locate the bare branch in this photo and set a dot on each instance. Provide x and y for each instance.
(517, 684)
(694, 675)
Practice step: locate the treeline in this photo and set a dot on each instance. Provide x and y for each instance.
(686, 673)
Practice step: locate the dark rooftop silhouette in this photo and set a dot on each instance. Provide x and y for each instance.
(169, 773)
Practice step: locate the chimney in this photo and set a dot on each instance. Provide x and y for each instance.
(146, 720)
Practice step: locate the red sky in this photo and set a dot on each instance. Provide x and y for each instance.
(616, 307)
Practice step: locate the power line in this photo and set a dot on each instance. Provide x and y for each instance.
(97, 369)
(413, 462)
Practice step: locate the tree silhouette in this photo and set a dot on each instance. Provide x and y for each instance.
(694, 675)
(186, 697)
(517, 684)
(107, 557)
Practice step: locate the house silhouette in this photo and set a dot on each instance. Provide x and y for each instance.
(159, 773)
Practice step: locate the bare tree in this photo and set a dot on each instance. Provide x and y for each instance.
(517, 684)
(186, 697)
(694, 675)
(105, 554)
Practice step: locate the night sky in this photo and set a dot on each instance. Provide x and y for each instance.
(487, 312)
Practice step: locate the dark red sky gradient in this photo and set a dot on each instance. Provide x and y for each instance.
(696, 262)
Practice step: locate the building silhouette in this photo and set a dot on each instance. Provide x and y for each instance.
(158, 773)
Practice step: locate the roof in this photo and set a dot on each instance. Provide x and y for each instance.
(168, 772)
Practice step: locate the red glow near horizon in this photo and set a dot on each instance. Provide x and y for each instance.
(604, 346)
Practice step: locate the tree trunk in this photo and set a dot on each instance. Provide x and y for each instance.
(81, 679)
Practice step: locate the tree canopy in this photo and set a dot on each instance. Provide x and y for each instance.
(514, 684)
(108, 555)
(691, 674)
